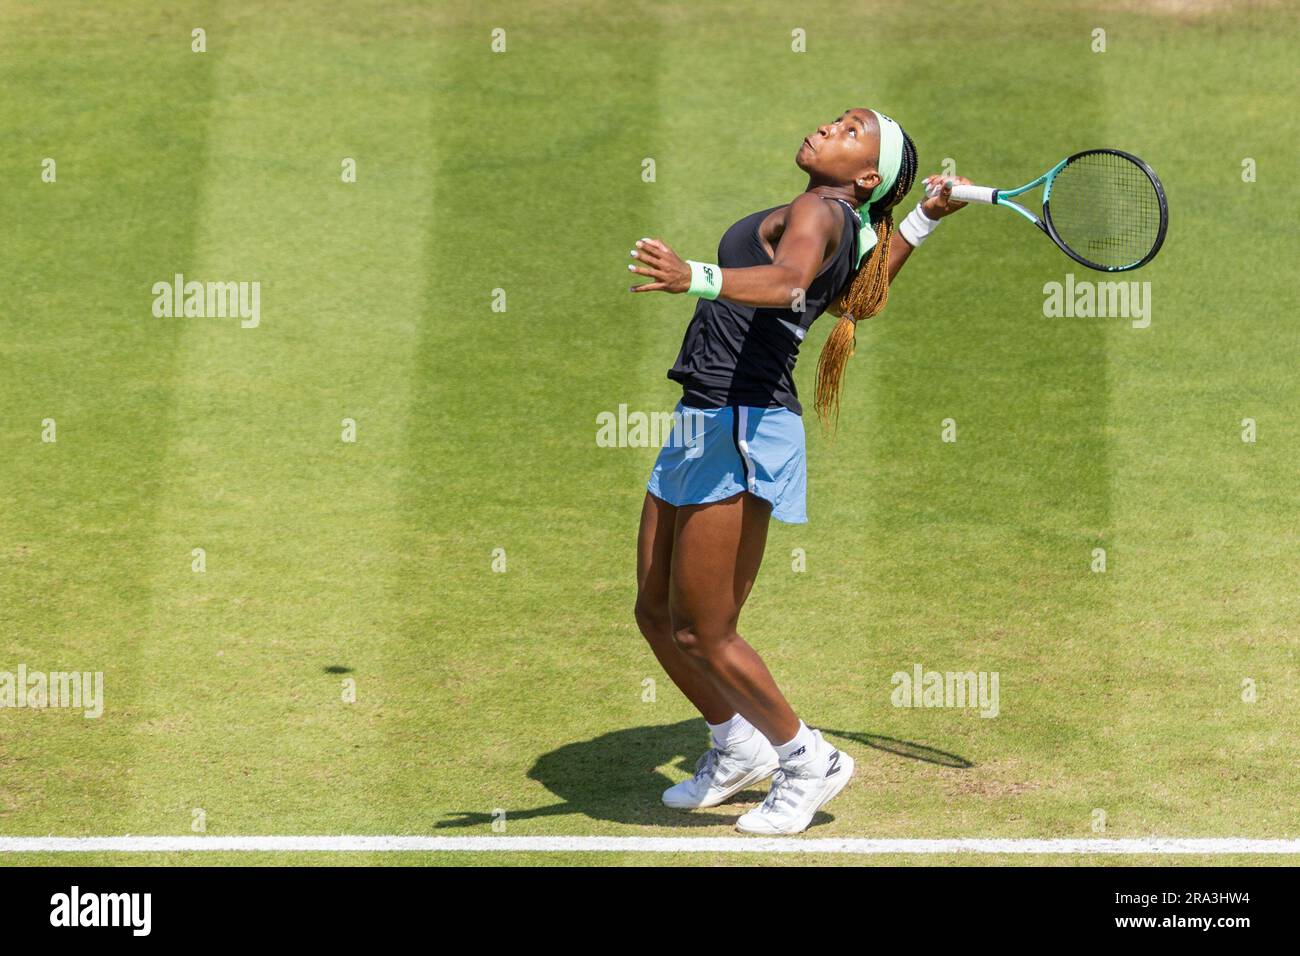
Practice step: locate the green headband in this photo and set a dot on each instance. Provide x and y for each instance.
(889, 162)
(891, 155)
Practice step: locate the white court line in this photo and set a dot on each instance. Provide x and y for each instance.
(563, 844)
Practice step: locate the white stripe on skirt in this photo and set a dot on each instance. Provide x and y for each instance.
(743, 445)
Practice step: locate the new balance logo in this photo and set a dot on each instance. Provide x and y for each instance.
(833, 766)
(797, 753)
(708, 274)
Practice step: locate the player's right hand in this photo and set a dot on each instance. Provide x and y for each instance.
(938, 190)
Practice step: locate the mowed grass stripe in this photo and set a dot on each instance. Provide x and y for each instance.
(122, 111)
(1203, 559)
(538, 192)
(245, 717)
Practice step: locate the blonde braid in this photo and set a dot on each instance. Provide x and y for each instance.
(865, 296)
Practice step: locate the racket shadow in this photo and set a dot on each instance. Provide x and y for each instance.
(902, 748)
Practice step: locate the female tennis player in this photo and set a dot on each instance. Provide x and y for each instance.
(709, 498)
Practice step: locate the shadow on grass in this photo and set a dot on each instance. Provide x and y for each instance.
(902, 748)
(617, 777)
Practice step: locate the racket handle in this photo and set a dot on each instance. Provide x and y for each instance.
(962, 193)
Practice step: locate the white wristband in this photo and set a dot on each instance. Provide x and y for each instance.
(916, 227)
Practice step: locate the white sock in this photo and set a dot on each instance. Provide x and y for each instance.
(800, 750)
(730, 733)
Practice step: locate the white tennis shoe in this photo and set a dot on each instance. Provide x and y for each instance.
(799, 792)
(720, 774)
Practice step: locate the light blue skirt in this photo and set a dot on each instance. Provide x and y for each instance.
(714, 453)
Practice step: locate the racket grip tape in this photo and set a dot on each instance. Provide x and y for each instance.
(984, 194)
(962, 193)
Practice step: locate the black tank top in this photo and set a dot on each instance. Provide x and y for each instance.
(736, 354)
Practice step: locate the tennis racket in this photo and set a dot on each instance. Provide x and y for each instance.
(1105, 208)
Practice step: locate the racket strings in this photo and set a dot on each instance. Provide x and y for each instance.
(1106, 209)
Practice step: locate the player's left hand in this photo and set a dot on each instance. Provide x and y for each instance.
(941, 203)
(665, 267)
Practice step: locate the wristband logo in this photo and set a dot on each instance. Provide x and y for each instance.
(706, 279)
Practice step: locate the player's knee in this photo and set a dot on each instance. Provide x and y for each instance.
(686, 639)
(701, 641)
(652, 619)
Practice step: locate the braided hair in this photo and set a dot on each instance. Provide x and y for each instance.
(865, 293)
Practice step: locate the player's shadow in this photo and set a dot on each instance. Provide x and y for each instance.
(617, 777)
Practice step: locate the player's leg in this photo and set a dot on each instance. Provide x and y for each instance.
(717, 552)
(740, 756)
(654, 556)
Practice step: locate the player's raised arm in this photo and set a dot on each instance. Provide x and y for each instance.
(810, 227)
(921, 221)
